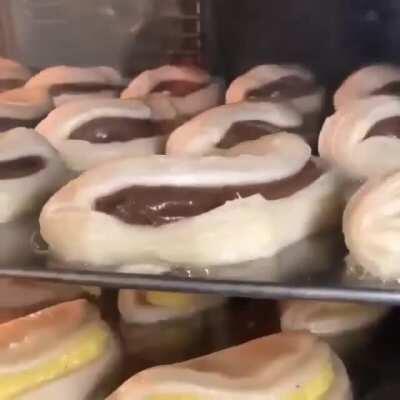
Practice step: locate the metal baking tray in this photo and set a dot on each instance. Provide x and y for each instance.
(314, 268)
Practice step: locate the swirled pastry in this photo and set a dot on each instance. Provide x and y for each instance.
(23, 107)
(370, 228)
(362, 139)
(66, 83)
(63, 352)
(187, 90)
(285, 366)
(30, 171)
(196, 211)
(377, 79)
(12, 74)
(91, 132)
(232, 128)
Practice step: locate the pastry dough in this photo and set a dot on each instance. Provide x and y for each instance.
(71, 83)
(23, 192)
(368, 81)
(285, 366)
(207, 95)
(361, 138)
(205, 134)
(81, 154)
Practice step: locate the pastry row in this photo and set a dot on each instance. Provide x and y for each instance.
(56, 345)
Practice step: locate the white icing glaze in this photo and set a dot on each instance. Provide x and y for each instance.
(26, 194)
(272, 367)
(10, 69)
(363, 82)
(268, 73)
(80, 155)
(370, 225)
(342, 142)
(163, 103)
(201, 135)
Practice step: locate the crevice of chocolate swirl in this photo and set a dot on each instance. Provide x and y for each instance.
(10, 123)
(179, 88)
(122, 129)
(159, 205)
(286, 88)
(386, 127)
(391, 88)
(9, 84)
(82, 87)
(21, 167)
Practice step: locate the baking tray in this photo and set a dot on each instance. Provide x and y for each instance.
(314, 268)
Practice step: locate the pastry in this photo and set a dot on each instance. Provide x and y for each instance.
(231, 128)
(90, 132)
(65, 352)
(187, 90)
(66, 83)
(30, 171)
(362, 139)
(347, 327)
(291, 84)
(376, 79)
(22, 297)
(12, 74)
(23, 107)
(199, 211)
(285, 366)
(370, 226)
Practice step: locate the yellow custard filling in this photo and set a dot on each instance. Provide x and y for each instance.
(171, 300)
(84, 350)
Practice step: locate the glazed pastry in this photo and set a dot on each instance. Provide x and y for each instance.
(345, 326)
(30, 171)
(23, 297)
(377, 79)
(64, 352)
(66, 83)
(23, 107)
(285, 366)
(362, 139)
(231, 128)
(187, 90)
(291, 84)
(370, 226)
(197, 211)
(91, 132)
(12, 74)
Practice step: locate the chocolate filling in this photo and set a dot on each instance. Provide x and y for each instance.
(21, 167)
(81, 87)
(386, 127)
(121, 129)
(391, 88)
(286, 88)
(9, 84)
(11, 123)
(242, 131)
(179, 88)
(159, 205)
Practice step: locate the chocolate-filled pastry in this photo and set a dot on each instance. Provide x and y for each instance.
(187, 90)
(377, 79)
(362, 139)
(91, 132)
(30, 171)
(22, 297)
(232, 128)
(284, 366)
(197, 211)
(12, 74)
(63, 352)
(66, 83)
(23, 107)
(347, 327)
(371, 228)
(291, 84)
